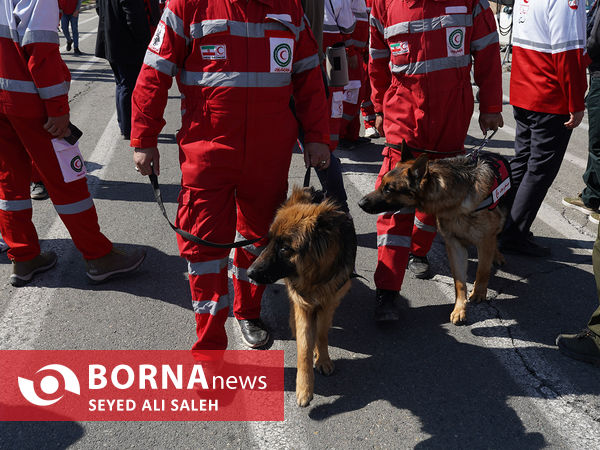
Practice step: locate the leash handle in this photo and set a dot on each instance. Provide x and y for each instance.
(189, 236)
(474, 153)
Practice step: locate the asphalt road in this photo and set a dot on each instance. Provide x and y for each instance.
(496, 382)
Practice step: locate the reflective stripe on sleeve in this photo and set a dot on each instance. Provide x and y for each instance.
(481, 43)
(305, 64)
(26, 87)
(35, 36)
(175, 23)
(210, 306)
(15, 205)
(235, 79)
(75, 208)
(54, 91)
(482, 5)
(376, 23)
(432, 65)
(206, 267)
(9, 33)
(393, 240)
(159, 63)
(377, 53)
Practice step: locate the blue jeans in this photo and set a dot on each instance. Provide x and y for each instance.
(65, 20)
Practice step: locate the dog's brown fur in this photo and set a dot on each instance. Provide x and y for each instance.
(451, 189)
(312, 245)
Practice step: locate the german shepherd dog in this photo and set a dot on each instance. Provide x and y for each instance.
(312, 246)
(453, 190)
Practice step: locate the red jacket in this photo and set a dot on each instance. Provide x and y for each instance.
(420, 62)
(549, 60)
(34, 80)
(68, 7)
(237, 67)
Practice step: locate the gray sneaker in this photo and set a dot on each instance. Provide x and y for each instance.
(23, 271)
(117, 262)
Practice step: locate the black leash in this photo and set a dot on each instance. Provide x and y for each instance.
(185, 234)
(474, 153)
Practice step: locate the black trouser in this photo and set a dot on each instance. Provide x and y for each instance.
(540, 144)
(591, 177)
(125, 77)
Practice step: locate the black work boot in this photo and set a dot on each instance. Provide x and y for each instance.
(254, 332)
(583, 346)
(386, 309)
(419, 266)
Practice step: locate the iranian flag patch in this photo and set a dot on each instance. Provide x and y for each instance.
(218, 51)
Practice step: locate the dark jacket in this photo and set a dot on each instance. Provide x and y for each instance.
(124, 29)
(593, 41)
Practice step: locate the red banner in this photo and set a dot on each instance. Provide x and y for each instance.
(125, 385)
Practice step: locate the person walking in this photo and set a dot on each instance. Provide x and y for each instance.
(236, 69)
(547, 89)
(588, 200)
(34, 115)
(124, 32)
(70, 17)
(420, 58)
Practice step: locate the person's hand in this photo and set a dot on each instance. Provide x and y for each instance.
(490, 121)
(145, 159)
(58, 126)
(316, 154)
(75, 13)
(574, 120)
(379, 124)
(353, 62)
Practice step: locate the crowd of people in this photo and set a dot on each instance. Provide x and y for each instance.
(264, 74)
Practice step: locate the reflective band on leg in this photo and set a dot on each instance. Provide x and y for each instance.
(205, 267)
(242, 275)
(15, 205)
(393, 240)
(210, 306)
(75, 208)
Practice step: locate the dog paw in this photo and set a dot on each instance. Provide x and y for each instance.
(325, 367)
(458, 316)
(303, 398)
(477, 296)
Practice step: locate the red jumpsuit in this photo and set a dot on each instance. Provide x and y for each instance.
(237, 63)
(366, 106)
(34, 86)
(355, 90)
(338, 25)
(420, 61)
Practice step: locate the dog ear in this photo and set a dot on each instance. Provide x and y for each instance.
(419, 167)
(405, 153)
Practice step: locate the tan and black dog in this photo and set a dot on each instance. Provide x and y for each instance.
(312, 246)
(467, 198)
